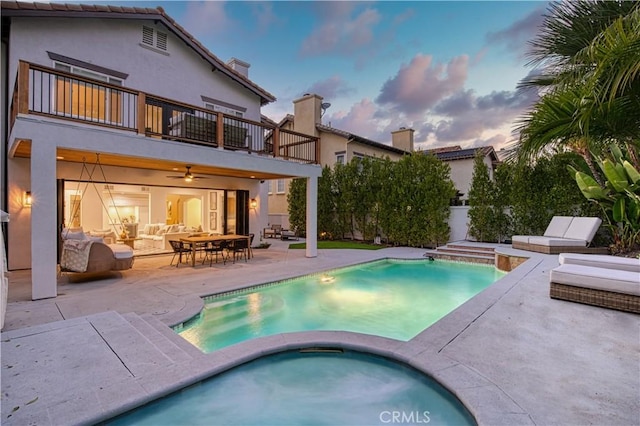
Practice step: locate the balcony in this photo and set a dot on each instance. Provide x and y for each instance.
(49, 92)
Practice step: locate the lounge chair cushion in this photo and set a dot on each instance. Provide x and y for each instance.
(558, 226)
(601, 261)
(625, 282)
(521, 239)
(556, 242)
(583, 228)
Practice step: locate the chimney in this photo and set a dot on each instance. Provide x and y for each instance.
(403, 139)
(240, 66)
(307, 113)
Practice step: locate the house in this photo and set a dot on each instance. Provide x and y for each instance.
(461, 163)
(116, 118)
(337, 146)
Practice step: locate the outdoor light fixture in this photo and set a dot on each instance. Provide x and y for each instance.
(27, 200)
(253, 203)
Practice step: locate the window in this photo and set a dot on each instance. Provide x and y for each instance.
(270, 187)
(84, 100)
(340, 159)
(280, 188)
(154, 38)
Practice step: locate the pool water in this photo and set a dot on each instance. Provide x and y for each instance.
(389, 298)
(313, 389)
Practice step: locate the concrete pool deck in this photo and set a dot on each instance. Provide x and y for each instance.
(511, 354)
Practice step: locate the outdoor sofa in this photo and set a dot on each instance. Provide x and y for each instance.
(606, 281)
(564, 234)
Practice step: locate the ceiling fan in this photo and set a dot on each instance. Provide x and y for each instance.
(188, 176)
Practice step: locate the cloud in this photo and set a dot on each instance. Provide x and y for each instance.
(421, 84)
(516, 36)
(359, 120)
(466, 116)
(340, 32)
(264, 15)
(205, 18)
(330, 88)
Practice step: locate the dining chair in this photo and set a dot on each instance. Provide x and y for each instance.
(214, 247)
(239, 246)
(180, 248)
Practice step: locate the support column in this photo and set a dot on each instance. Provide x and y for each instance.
(312, 217)
(44, 233)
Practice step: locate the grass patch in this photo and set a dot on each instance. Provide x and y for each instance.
(339, 245)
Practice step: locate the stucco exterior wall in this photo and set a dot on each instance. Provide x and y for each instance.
(179, 73)
(462, 174)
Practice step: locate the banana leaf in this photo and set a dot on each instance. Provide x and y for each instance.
(589, 187)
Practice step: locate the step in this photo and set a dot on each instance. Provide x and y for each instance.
(465, 252)
(139, 354)
(163, 343)
(171, 335)
(483, 259)
(471, 247)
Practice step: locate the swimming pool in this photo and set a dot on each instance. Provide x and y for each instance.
(292, 388)
(389, 298)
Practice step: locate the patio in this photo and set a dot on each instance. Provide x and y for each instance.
(512, 354)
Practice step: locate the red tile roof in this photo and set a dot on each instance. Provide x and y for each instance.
(15, 8)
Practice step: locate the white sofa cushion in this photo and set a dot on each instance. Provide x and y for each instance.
(625, 282)
(558, 226)
(556, 242)
(601, 261)
(583, 228)
(74, 234)
(121, 251)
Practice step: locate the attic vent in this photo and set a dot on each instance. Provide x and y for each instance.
(147, 35)
(161, 42)
(153, 38)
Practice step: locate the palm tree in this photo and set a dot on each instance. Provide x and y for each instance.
(590, 55)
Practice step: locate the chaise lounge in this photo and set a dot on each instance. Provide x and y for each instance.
(565, 234)
(605, 281)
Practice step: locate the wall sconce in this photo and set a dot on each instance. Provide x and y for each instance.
(27, 200)
(253, 203)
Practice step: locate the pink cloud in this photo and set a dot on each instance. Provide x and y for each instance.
(421, 84)
(340, 32)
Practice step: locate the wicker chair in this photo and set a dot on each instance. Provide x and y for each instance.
(215, 247)
(180, 248)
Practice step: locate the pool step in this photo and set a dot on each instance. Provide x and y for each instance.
(220, 323)
(165, 340)
(464, 252)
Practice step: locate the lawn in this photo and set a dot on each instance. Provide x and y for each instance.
(339, 245)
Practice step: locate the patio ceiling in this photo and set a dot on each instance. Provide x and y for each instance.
(23, 150)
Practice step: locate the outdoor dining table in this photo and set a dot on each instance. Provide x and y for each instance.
(194, 242)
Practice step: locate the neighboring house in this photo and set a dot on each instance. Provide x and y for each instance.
(337, 146)
(461, 163)
(132, 88)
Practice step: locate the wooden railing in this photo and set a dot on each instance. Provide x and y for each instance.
(46, 91)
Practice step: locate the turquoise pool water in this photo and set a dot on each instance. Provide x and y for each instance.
(311, 389)
(391, 298)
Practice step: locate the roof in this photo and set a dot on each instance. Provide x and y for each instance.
(347, 135)
(457, 153)
(68, 10)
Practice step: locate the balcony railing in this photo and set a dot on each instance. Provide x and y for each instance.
(46, 91)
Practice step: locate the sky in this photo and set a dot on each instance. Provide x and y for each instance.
(447, 69)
